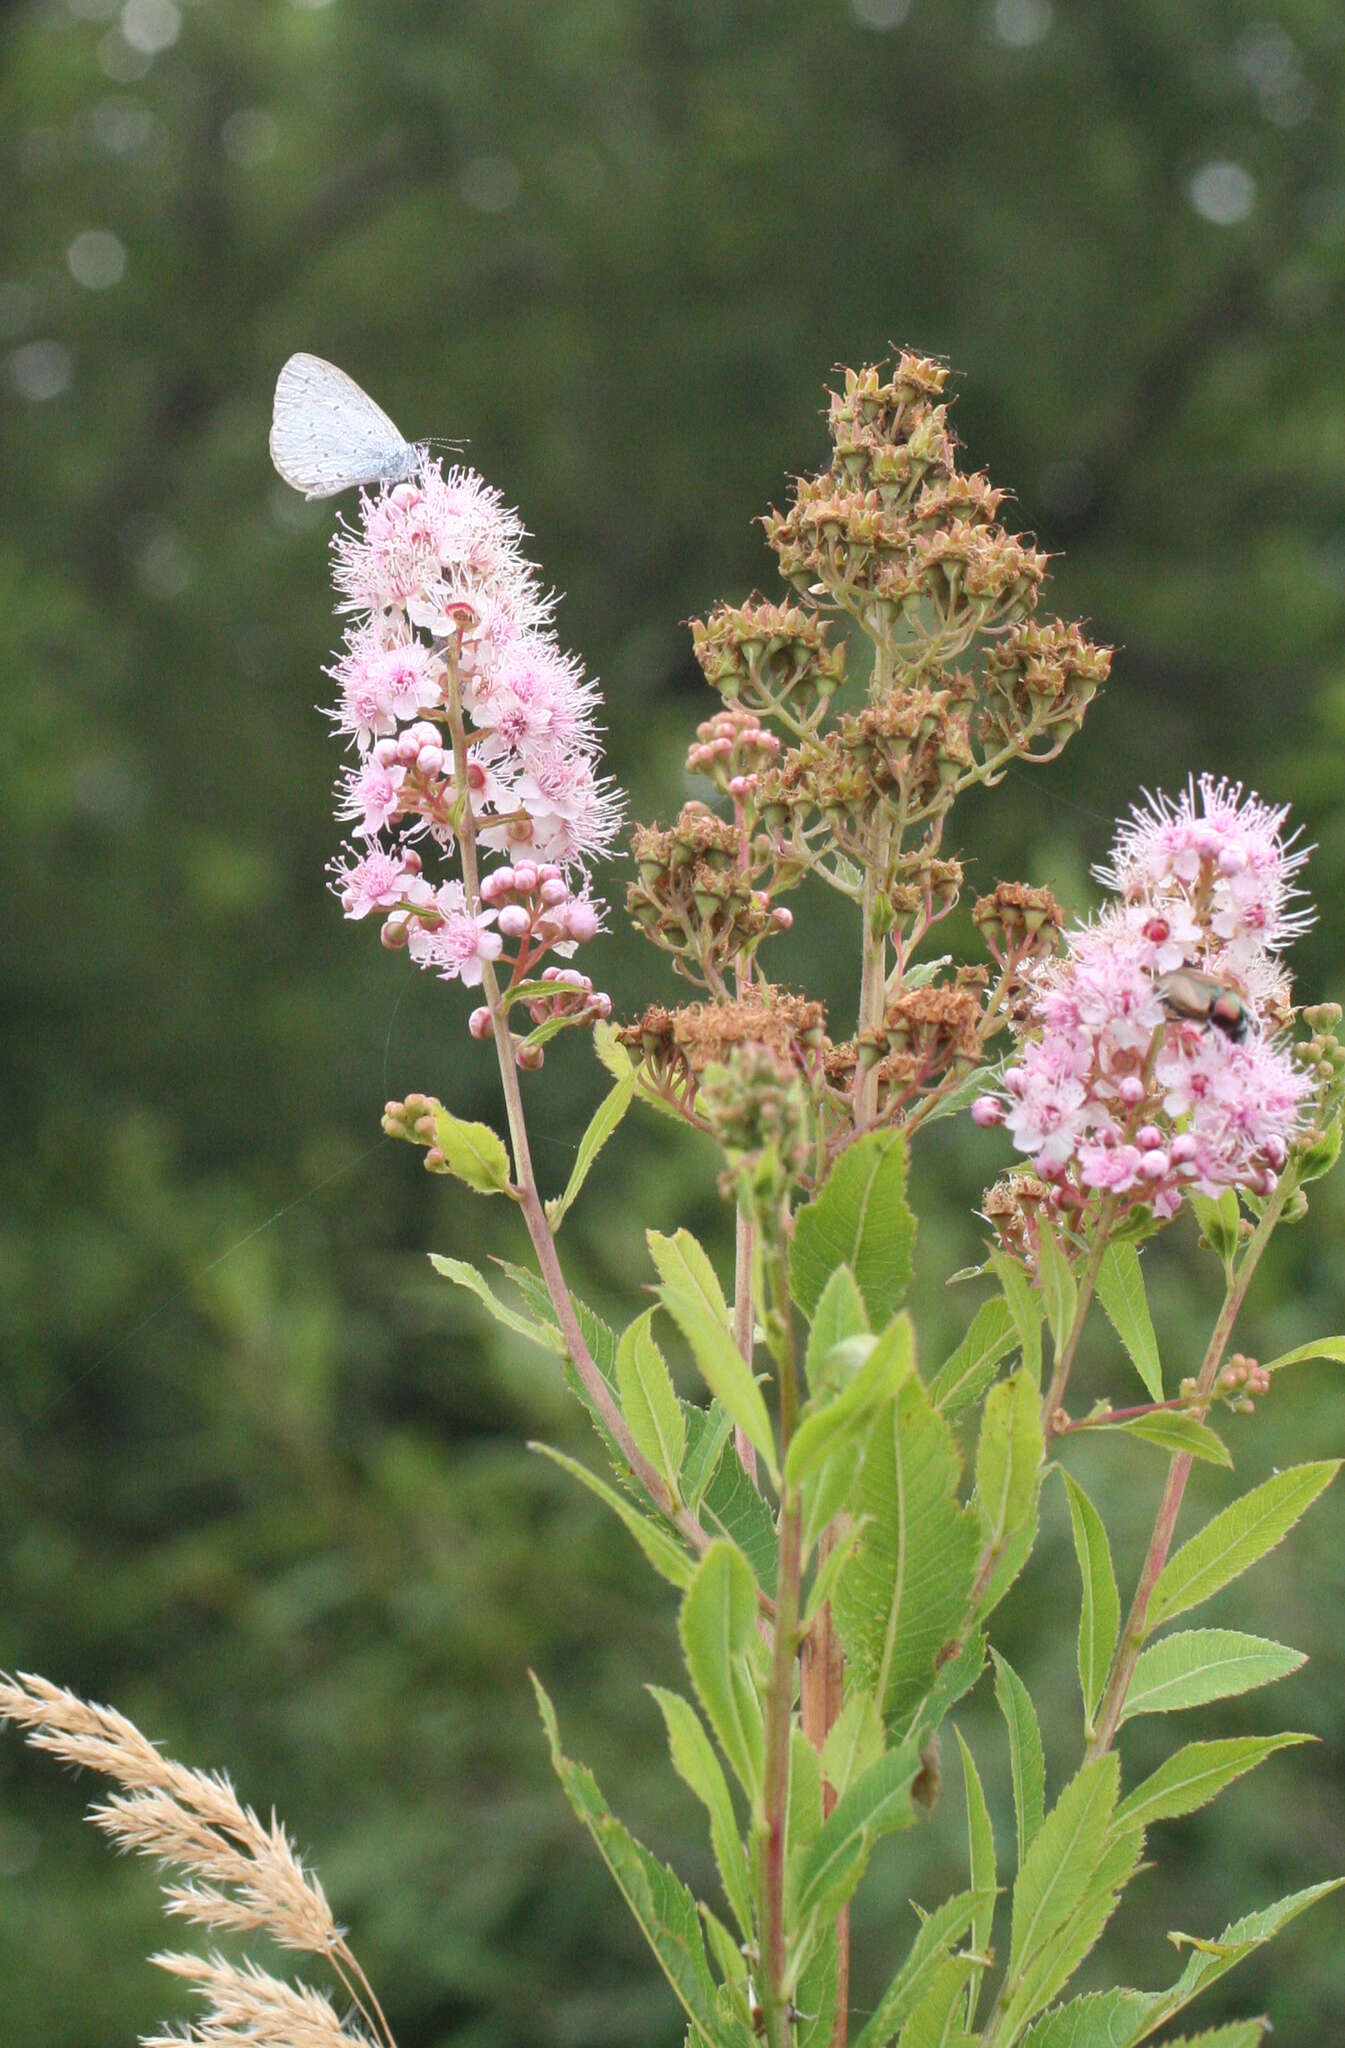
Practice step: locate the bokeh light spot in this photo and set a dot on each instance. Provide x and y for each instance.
(1018, 24)
(40, 370)
(880, 14)
(96, 259)
(1222, 192)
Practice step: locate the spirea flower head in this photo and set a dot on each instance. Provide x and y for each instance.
(1215, 859)
(467, 719)
(1146, 1062)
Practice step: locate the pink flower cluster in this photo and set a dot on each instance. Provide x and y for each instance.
(460, 705)
(1145, 1066)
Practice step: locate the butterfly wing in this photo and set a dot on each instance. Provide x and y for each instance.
(327, 434)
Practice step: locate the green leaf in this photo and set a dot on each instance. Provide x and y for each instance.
(804, 1817)
(662, 1905)
(649, 1400)
(1219, 1221)
(1104, 2019)
(927, 1954)
(1203, 1664)
(981, 1863)
(965, 1374)
(1331, 1348)
(1120, 1289)
(840, 1421)
(934, 2021)
(904, 1595)
(664, 1553)
(730, 1505)
(1058, 1868)
(1026, 1759)
(698, 1767)
(1008, 1460)
(718, 1628)
(1059, 1291)
(1025, 1306)
(603, 1122)
(1237, 1538)
(860, 1220)
(611, 1052)
(1176, 1434)
(853, 1744)
(1100, 1611)
(1047, 1967)
(545, 1335)
(707, 1432)
(473, 1153)
(876, 1804)
(1196, 1774)
(1214, 1959)
(840, 1314)
(693, 1297)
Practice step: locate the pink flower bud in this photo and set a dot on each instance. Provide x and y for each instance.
(513, 921)
(393, 934)
(430, 760)
(782, 917)
(601, 1006)
(987, 1110)
(1131, 1090)
(492, 886)
(581, 922)
(1276, 1152)
(549, 872)
(1155, 1166)
(411, 860)
(385, 753)
(529, 1058)
(1183, 1148)
(525, 876)
(479, 1023)
(1148, 1136)
(552, 891)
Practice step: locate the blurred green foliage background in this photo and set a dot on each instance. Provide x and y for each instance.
(262, 1478)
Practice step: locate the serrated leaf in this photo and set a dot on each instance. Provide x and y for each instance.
(876, 1804)
(1008, 1460)
(1048, 1967)
(966, 1372)
(844, 1418)
(1026, 1758)
(472, 1153)
(611, 1052)
(1062, 1860)
(1100, 1608)
(915, 1979)
(816, 1995)
(904, 1595)
(1203, 1664)
(959, 1097)
(698, 1767)
(981, 1864)
(860, 1219)
(1103, 2019)
(730, 1505)
(663, 1907)
(1025, 1306)
(718, 1628)
(1219, 1219)
(1196, 1774)
(1214, 1959)
(1120, 1289)
(1176, 1434)
(663, 1551)
(854, 1743)
(1237, 1538)
(934, 2021)
(693, 1297)
(1059, 1290)
(545, 1335)
(1330, 1348)
(649, 1399)
(804, 1822)
(840, 1314)
(707, 1432)
(604, 1121)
